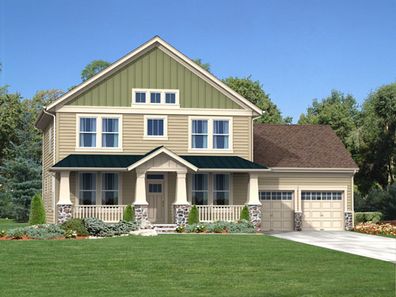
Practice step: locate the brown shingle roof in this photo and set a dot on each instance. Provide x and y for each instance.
(303, 146)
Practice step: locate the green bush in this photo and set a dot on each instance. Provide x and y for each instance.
(76, 225)
(195, 228)
(193, 216)
(129, 214)
(373, 216)
(45, 231)
(96, 227)
(16, 233)
(245, 213)
(243, 226)
(37, 211)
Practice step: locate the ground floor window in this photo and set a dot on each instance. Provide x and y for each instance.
(109, 189)
(200, 189)
(99, 188)
(221, 189)
(276, 195)
(87, 189)
(322, 195)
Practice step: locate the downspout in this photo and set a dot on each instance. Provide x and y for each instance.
(54, 134)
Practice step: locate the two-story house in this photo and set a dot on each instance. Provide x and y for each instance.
(157, 131)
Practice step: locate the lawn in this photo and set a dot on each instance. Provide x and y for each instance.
(6, 224)
(187, 265)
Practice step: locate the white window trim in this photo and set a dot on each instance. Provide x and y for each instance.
(154, 137)
(162, 103)
(207, 191)
(230, 187)
(99, 118)
(211, 185)
(210, 148)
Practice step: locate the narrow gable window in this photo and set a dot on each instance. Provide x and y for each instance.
(220, 134)
(155, 97)
(110, 130)
(199, 134)
(170, 98)
(140, 97)
(87, 132)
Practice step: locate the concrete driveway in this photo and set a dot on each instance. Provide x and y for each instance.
(376, 247)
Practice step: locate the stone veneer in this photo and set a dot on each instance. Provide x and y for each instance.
(298, 217)
(181, 213)
(348, 222)
(65, 212)
(255, 215)
(141, 213)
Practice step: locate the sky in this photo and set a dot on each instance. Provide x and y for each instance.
(298, 49)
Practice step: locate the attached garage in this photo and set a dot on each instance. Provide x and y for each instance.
(277, 212)
(322, 210)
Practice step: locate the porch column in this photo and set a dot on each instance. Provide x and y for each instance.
(140, 204)
(253, 202)
(64, 204)
(181, 205)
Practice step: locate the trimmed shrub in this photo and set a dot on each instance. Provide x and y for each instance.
(243, 226)
(16, 233)
(37, 211)
(129, 214)
(96, 227)
(195, 228)
(76, 225)
(245, 213)
(362, 217)
(44, 231)
(193, 216)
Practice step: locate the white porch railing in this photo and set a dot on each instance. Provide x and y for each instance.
(106, 213)
(212, 213)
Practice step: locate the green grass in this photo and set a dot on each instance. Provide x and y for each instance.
(6, 224)
(187, 265)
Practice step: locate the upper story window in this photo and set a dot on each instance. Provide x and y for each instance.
(153, 97)
(155, 127)
(99, 132)
(210, 134)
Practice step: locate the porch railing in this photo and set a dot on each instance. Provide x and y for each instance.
(212, 213)
(106, 213)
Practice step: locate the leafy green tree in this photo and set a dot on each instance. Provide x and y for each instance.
(193, 217)
(128, 214)
(245, 213)
(37, 211)
(93, 68)
(253, 91)
(205, 66)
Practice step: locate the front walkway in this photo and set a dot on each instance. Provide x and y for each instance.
(376, 247)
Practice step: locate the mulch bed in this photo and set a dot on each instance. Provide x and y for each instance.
(59, 238)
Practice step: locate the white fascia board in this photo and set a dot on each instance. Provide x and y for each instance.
(302, 169)
(232, 170)
(87, 169)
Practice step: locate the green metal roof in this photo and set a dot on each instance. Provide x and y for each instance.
(222, 162)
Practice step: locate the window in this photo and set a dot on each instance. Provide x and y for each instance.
(155, 176)
(276, 195)
(199, 134)
(170, 98)
(200, 189)
(109, 189)
(110, 132)
(155, 188)
(155, 97)
(220, 134)
(308, 195)
(155, 127)
(87, 132)
(140, 97)
(221, 189)
(87, 189)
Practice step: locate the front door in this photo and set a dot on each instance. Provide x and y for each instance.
(156, 199)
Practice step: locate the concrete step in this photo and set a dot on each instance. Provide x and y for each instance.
(165, 228)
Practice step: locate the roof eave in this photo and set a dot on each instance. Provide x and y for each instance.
(314, 169)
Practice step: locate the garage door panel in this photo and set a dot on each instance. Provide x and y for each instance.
(277, 211)
(277, 205)
(276, 215)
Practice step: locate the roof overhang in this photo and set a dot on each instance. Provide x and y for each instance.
(317, 170)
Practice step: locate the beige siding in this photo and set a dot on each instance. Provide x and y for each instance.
(171, 195)
(128, 188)
(307, 180)
(240, 188)
(73, 187)
(47, 179)
(133, 131)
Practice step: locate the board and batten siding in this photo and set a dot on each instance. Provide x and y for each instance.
(304, 181)
(134, 143)
(155, 70)
(47, 179)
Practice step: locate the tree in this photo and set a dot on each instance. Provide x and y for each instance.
(340, 112)
(205, 66)
(245, 213)
(128, 214)
(193, 217)
(93, 68)
(253, 91)
(37, 211)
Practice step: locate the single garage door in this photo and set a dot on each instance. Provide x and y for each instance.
(322, 210)
(277, 212)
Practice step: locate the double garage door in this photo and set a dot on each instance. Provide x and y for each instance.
(322, 210)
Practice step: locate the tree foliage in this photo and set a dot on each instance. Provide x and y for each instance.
(245, 213)
(193, 217)
(253, 91)
(204, 65)
(93, 68)
(129, 214)
(37, 211)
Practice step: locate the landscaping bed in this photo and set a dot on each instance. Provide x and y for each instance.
(384, 229)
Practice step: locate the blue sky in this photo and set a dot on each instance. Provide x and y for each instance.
(299, 50)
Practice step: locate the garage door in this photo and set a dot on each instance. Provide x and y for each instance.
(322, 210)
(277, 212)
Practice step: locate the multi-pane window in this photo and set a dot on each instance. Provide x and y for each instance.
(221, 189)
(220, 134)
(199, 134)
(155, 97)
(110, 130)
(109, 189)
(87, 189)
(170, 98)
(155, 188)
(200, 189)
(155, 127)
(87, 132)
(322, 195)
(140, 97)
(276, 195)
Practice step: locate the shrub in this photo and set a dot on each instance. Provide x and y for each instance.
(70, 234)
(3, 233)
(193, 216)
(196, 228)
(76, 225)
(362, 217)
(96, 227)
(37, 212)
(375, 229)
(217, 227)
(180, 229)
(243, 226)
(45, 231)
(16, 233)
(245, 213)
(123, 227)
(129, 214)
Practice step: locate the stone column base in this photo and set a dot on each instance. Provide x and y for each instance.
(348, 222)
(141, 213)
(255, 216)
(181, 212)
(298, 217)
(65, 212)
